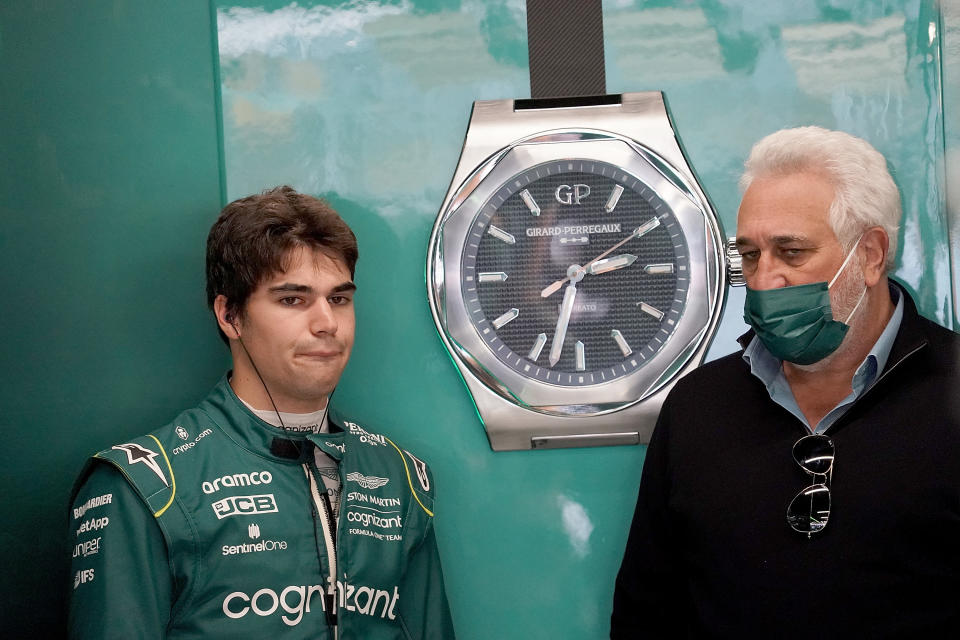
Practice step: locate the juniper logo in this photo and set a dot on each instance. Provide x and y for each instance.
(367, 482)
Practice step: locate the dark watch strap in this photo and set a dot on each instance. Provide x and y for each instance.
(565, 43)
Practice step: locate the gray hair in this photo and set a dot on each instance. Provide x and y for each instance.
(865, 194)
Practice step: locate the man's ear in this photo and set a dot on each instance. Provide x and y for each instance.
(874, 246)
(225, 319)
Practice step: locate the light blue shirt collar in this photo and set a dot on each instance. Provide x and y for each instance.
(769, 369)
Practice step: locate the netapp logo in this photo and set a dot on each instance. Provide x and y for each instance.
(244, 506)
(237, 480)
(93, 524)
(295, 601)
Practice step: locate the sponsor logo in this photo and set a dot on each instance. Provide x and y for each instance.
(573, 230)
(190, 445)
(391, 537)
(137, 454)
(182, 433)
(84, 576)
(421, 467)
(88, 548)
(565, 194)
(93, 524)
(373, 520)
(244, 506)
(303, 428)
(367, 482)
(372, 439)
(92, 503)
(339, 447)
(237, 480)
(253, 530)
(293, 602)
(356, 496)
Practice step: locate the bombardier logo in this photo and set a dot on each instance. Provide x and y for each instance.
(367, 482)
(244, 506)
(136, 453)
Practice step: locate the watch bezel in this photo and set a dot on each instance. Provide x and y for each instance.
(469, 198)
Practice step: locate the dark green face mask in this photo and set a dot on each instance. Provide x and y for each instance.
(796, 323)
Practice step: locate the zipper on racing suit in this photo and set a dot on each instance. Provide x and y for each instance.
(322, 506)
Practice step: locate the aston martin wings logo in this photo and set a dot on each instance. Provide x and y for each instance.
(136, 453)
(367, 482)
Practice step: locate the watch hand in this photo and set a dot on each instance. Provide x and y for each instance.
(640, 231)
(561, 333)
(611, 264)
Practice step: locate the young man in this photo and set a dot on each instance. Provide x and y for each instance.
(808, 485)
(258, 513)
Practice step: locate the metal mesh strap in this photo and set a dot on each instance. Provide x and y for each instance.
(565, 42)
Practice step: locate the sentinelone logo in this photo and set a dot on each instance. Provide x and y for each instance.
(295, 601)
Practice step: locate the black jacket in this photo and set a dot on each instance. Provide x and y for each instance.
(710, 553)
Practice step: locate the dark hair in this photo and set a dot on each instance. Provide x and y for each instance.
(252, 239)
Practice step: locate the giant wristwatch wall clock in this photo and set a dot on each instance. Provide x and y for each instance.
(576, 269)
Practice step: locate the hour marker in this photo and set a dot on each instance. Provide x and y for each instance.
(537, 347)
(621, 342)
(530, 202)
(610, 264)
(492, 276)
(613, 199)
(581, 357)
(653, 311)
(500, 234)
(666, 267)
(647, 227)
(505, 318)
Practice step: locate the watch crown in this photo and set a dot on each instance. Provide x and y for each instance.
(734, 264)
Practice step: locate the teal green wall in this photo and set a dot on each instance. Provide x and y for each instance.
(110, 179)
(112, 174)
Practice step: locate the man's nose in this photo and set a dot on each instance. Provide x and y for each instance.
(769, 274)
(322, 318)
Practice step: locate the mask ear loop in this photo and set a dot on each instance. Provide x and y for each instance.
(840, 270)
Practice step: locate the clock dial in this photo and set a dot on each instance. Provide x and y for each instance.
(617, 248)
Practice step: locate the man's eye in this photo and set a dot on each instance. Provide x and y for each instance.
(793, 253)
(339, 300)
(750, 255)
(290, 301)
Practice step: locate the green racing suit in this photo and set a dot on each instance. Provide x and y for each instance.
(217, 525)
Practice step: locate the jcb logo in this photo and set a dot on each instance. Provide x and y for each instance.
(244, 505)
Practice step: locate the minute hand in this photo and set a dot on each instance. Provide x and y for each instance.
(643, 229)
(566, 308)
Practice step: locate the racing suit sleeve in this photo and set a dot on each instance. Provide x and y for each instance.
(120, 579)
(426, 617)
(650, 599)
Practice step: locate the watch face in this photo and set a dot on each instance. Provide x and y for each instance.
(575, 273)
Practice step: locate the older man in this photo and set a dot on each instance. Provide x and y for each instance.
(808, 486)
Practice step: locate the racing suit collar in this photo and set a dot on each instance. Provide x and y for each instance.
(248, 431)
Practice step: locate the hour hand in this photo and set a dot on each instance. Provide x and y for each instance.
(611, 264)
(566, 308)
